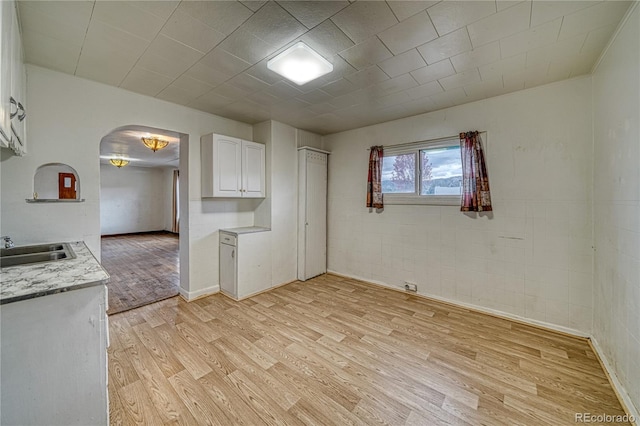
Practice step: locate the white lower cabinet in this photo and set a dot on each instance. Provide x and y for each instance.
(54, 359)
(245, 263)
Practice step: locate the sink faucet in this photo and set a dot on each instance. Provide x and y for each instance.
(7, 242)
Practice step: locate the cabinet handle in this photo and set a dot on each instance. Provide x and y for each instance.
(13, 102)
(233, 254)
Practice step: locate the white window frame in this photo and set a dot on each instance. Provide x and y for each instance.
(416, 198)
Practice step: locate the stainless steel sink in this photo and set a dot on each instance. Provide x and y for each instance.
(41, 248)
(35, 254)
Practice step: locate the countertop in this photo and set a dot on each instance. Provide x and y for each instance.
(40, 279)
(245, 230)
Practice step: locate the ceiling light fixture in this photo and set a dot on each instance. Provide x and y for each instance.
(154, 144)
(119, 162)
(300, 64)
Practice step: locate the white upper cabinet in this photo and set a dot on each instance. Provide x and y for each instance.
(13, 82)
(232, 167)
(6, 20)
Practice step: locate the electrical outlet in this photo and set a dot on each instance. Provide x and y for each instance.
(410, 286)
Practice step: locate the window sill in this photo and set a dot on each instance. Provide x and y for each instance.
(415, 200)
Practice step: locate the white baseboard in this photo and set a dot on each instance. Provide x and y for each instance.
(620, 390)
(193, 295)
(494, 312)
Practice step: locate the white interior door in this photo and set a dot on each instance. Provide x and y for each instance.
(316, 215)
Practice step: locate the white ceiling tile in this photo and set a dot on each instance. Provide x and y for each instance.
(363, 19)
(321, 108)
(205, 74)
(161, 8)
(224, 16)
(448, 16)
(367, 77)
(327, 39)
(144, 81)
(484, 89)
(532, 38)
(409, 33)
(598, 39)
(36, 19)
(74, 13)
(263, 98)
(405, 9)
(402, 63)
(105, 40)
(254, 4)
(129, 18)
(600, 15)
(504, 66)
(168, 57)
(433, 72)
(247, 46)
(315, 96)
(460, 79)
(425, 90)
(274, 25)
(224, 62)
(175, 95)
(344, 101)
(367, 53)
(311, 13)
(248, 83)
(505, 4)
(392, 99)
(212, 100)
(50, 53)
(547, 10)
(446, 46)
(393, 85)
(339, 87)
(477, 57)
(167, 67)
(261, 72)
(229, 91)
(191, 87)
(557, 51)
(109, 68)
(501, 24)
(340, 69)
(192, 32)
(282, 90)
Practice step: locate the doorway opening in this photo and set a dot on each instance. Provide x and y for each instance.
(140, 215)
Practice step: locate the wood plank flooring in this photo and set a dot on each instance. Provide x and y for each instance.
(144, 268)
(339, 351)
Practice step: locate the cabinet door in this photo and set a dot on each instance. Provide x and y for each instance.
(227, 166)
(6, 13)
(18, 89)
(228, 274)
(315, 215)
(253, 170)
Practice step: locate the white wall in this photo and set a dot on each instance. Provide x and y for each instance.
(532, 258)
(280, 209)
(616, 116)
(68, 116)
(132, 199)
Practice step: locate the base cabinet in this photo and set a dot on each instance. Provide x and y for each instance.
(245, 268)
(54, 359)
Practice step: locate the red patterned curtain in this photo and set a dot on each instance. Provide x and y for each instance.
(476, 196)
(374, 179)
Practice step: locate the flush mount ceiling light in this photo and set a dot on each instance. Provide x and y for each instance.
(119, 162)
(300, 64)
(154, 144)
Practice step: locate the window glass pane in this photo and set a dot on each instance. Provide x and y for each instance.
(398, 174)
(441, 171)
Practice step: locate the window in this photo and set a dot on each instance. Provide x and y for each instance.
(423, 173)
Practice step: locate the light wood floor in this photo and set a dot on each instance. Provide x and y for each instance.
(144, 268)
(339, 351)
